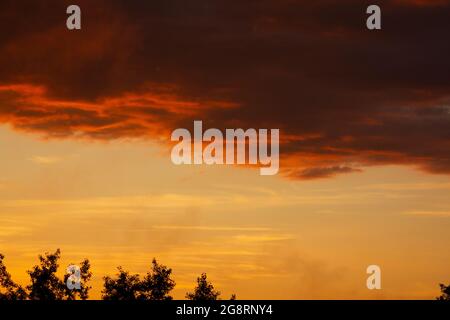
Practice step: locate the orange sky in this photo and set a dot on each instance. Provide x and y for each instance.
(364, 118)
(124, 202)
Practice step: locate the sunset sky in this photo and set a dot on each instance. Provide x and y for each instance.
(364, 119)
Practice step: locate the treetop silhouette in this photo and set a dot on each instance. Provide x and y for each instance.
(204, 291)
(45, 285)
(156, 285)
(12, 291)
(445, 293)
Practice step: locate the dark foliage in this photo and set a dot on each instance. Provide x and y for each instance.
(445, 292)
(204, 291)
(9, 290)
(45, 284)
(156, 285)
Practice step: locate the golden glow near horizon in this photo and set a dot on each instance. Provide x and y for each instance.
(123, 202)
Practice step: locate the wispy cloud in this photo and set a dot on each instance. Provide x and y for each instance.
(45, 160)
(430, 213)
(263, 238)
(408, 186)
(212, 228)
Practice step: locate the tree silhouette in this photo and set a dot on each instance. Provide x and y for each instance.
(123, 287)
(204, 290)
(85, 276)
(45, 285)
(12, 290)
(445, 292)
(156, 285)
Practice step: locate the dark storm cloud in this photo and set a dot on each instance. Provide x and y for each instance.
(343, 97)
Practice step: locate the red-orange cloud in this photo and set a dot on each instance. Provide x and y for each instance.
(344, 97)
